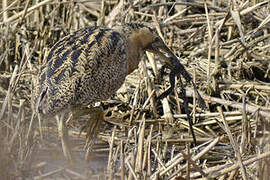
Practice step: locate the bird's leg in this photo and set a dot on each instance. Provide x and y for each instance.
(63, 134)
(93, 123)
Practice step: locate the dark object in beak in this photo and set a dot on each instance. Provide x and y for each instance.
(175, 66)
(156, 47)
(177, 69)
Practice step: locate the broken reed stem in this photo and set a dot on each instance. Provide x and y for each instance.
(209, 42)
(110, 168)
(25, 11)
(209, 114)
(179, 158)
(234, 144)
(132, 173)
(193, 163)
(224, 169)
(46, 175)
(4, 7)
(149, 87)
(249, 108)
(17, 15)
(9, 92)
(167, 111)
(170, 22)
(252, 85)
(199, 155)
(139, 159)
(149, 161)
(244, 137)
(187, 157)
(122, 161)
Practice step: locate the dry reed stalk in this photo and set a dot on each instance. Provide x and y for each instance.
(197, 130)
(149, 86)
(148, 160)
(23, 13)
(178, 159)
(208, 115)
(75, 174)
(245, 86)
(209, 42)
(191, 162)
(16, 131)
(47, 175)
(8, 96)
(122, 160)
(130, 164)
(4, 7)
(249, 108)
(135, 101)
(168, 116)
(110, 168)
(226, 168)
(234, 145)
(218, 42)
(139, 158)
(245, 129)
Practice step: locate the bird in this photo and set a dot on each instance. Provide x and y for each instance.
(89, 66)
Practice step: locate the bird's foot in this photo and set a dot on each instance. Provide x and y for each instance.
(92, 125)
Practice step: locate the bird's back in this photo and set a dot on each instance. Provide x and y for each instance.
(84, 67)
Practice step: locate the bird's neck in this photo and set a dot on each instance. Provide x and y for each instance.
(137, 40)
(134, 53)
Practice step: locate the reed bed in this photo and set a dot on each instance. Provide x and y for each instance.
(223, 44)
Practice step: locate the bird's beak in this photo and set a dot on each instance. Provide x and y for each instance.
(158, 47)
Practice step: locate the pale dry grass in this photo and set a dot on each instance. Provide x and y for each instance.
(224, 46)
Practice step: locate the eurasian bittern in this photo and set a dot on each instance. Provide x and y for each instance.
(90, 65)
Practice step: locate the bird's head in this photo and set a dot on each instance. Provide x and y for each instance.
(147, 39)
(158, 47)
(142, 38)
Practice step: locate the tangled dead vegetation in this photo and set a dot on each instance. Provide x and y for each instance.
(223, 44)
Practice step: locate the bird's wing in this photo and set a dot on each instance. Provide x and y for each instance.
(74, 56)
(79, 52)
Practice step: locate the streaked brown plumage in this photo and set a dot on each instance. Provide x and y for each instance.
(90, 65)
